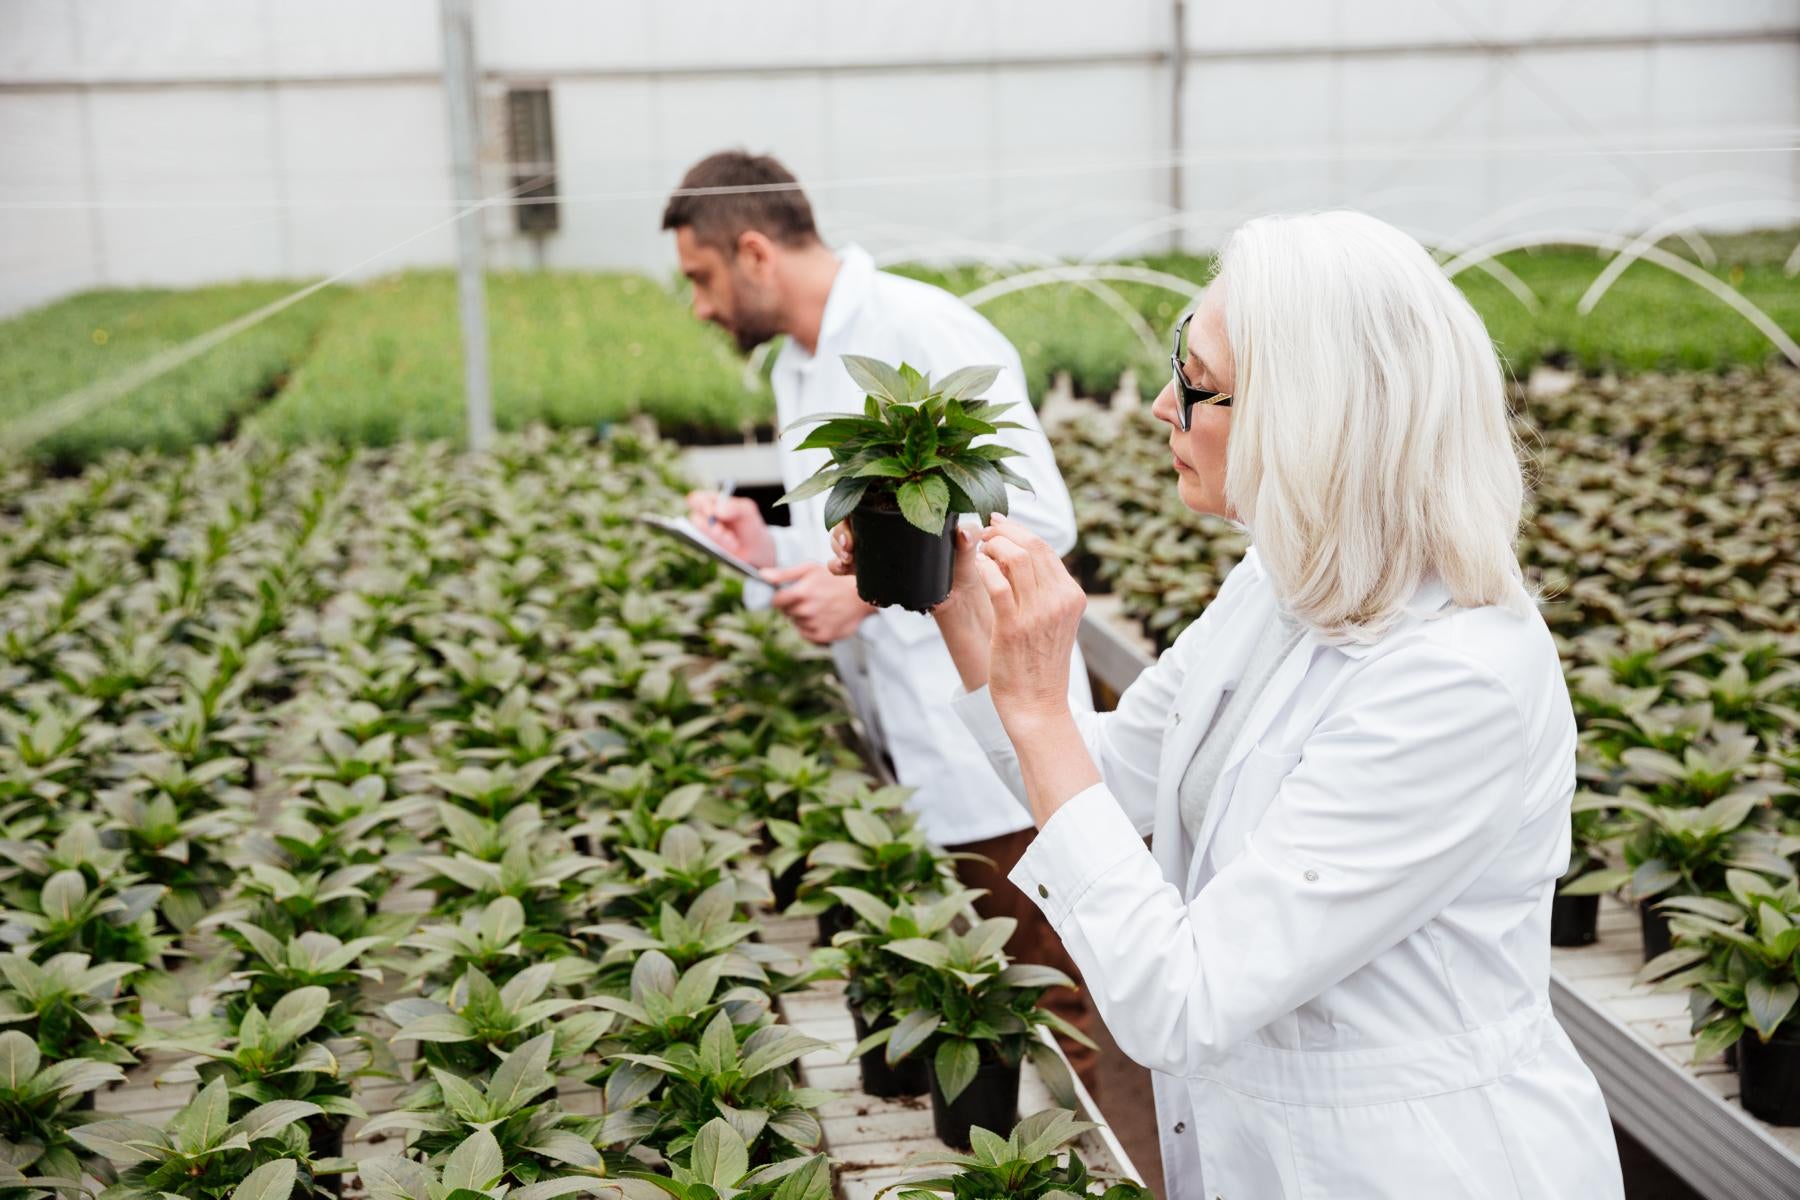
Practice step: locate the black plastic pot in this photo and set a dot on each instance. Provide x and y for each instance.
(786, 885)
(1656, 929)
(909, 1078)
(1574, 920)
(897, 563)
(834, 921)
(326, 1133)
(991, 1101)
(1769, 1077)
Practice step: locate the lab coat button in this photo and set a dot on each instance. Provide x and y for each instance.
(1181, 1127)
(1312, 877)
(1176, 718)
(1043, 891)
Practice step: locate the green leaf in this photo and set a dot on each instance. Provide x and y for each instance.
(297, 1013)
(1034, 975)
(202, 1121)
(825, 477)
(968, 383)
(1767, 1004)
(524, 1074)
(1054, 1070)
(718, 1045)
(910, 1032)
(720, 1157)
(876, 378)
(954, 1065)
(885, 468)
(19, 1059)
(475, 1164)
(267, 1120)
(1595, 883)
(866, 828)
(845, 496)
(271, 1181)
(1715, 1037)
(925, 503)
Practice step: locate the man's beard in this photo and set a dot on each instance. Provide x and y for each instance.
(754, 323)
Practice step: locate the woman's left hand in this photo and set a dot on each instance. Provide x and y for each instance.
(1037, 609)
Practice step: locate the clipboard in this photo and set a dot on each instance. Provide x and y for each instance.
(689, 534)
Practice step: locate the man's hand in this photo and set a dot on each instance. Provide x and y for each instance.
(823, 607)
(738, 526)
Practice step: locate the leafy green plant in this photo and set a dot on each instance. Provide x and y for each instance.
(719, 1168)
(476, 1167)
(873, 988)
(67, 1006)
(274, 1056)
(200, 1153)
(974, 1003)
(912, 447)
(497, 942)
(1737, 957)
(40, 1107)
(535, 1136)
(1682, 851)
(476, 1021)
(741, 1073)
(1033, 1162)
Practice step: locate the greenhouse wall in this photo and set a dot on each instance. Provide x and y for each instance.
(199, 140)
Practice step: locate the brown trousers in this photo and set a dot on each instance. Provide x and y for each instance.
(1034, 941)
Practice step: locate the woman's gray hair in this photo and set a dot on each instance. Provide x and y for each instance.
(1370, 445)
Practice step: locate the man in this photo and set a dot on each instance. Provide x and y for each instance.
(745, 236)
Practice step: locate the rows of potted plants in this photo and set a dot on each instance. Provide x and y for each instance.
(423, 799)
(1663, 531)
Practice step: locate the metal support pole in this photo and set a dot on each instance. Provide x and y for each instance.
(1177, 86)
(458, 22)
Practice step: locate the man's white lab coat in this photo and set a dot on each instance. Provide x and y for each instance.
(895, 666)
(1342, 983)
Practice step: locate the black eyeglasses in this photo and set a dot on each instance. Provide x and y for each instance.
(1186, 394)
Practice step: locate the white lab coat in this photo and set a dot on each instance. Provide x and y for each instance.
(896, 667)
(1342, 985)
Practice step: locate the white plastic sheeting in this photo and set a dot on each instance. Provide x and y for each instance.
(196, 140)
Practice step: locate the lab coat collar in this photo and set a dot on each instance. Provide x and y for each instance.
(1428, 599)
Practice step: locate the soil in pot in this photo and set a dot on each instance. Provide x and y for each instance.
(909, 1077)
(1769, 1077)
(897, 563)
(991, 1101)
(1574, 920)
(1656, 929)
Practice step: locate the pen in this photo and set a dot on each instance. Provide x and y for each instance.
(724, 494)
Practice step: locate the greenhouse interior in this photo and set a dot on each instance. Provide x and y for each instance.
(655, 599)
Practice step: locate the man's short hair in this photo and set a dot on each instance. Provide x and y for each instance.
(772, 203)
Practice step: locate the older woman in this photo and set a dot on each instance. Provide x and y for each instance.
(1355, 767)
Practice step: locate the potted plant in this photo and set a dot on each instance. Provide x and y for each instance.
(874, 992)
(977, 1020)
(1740, 957)
(1034, 1162)
(1676, 851)
(903, 469)
(1575, 912)
(42, 1105)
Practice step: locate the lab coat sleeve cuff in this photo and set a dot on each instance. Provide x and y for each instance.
(1084, 840)
(978, 714)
